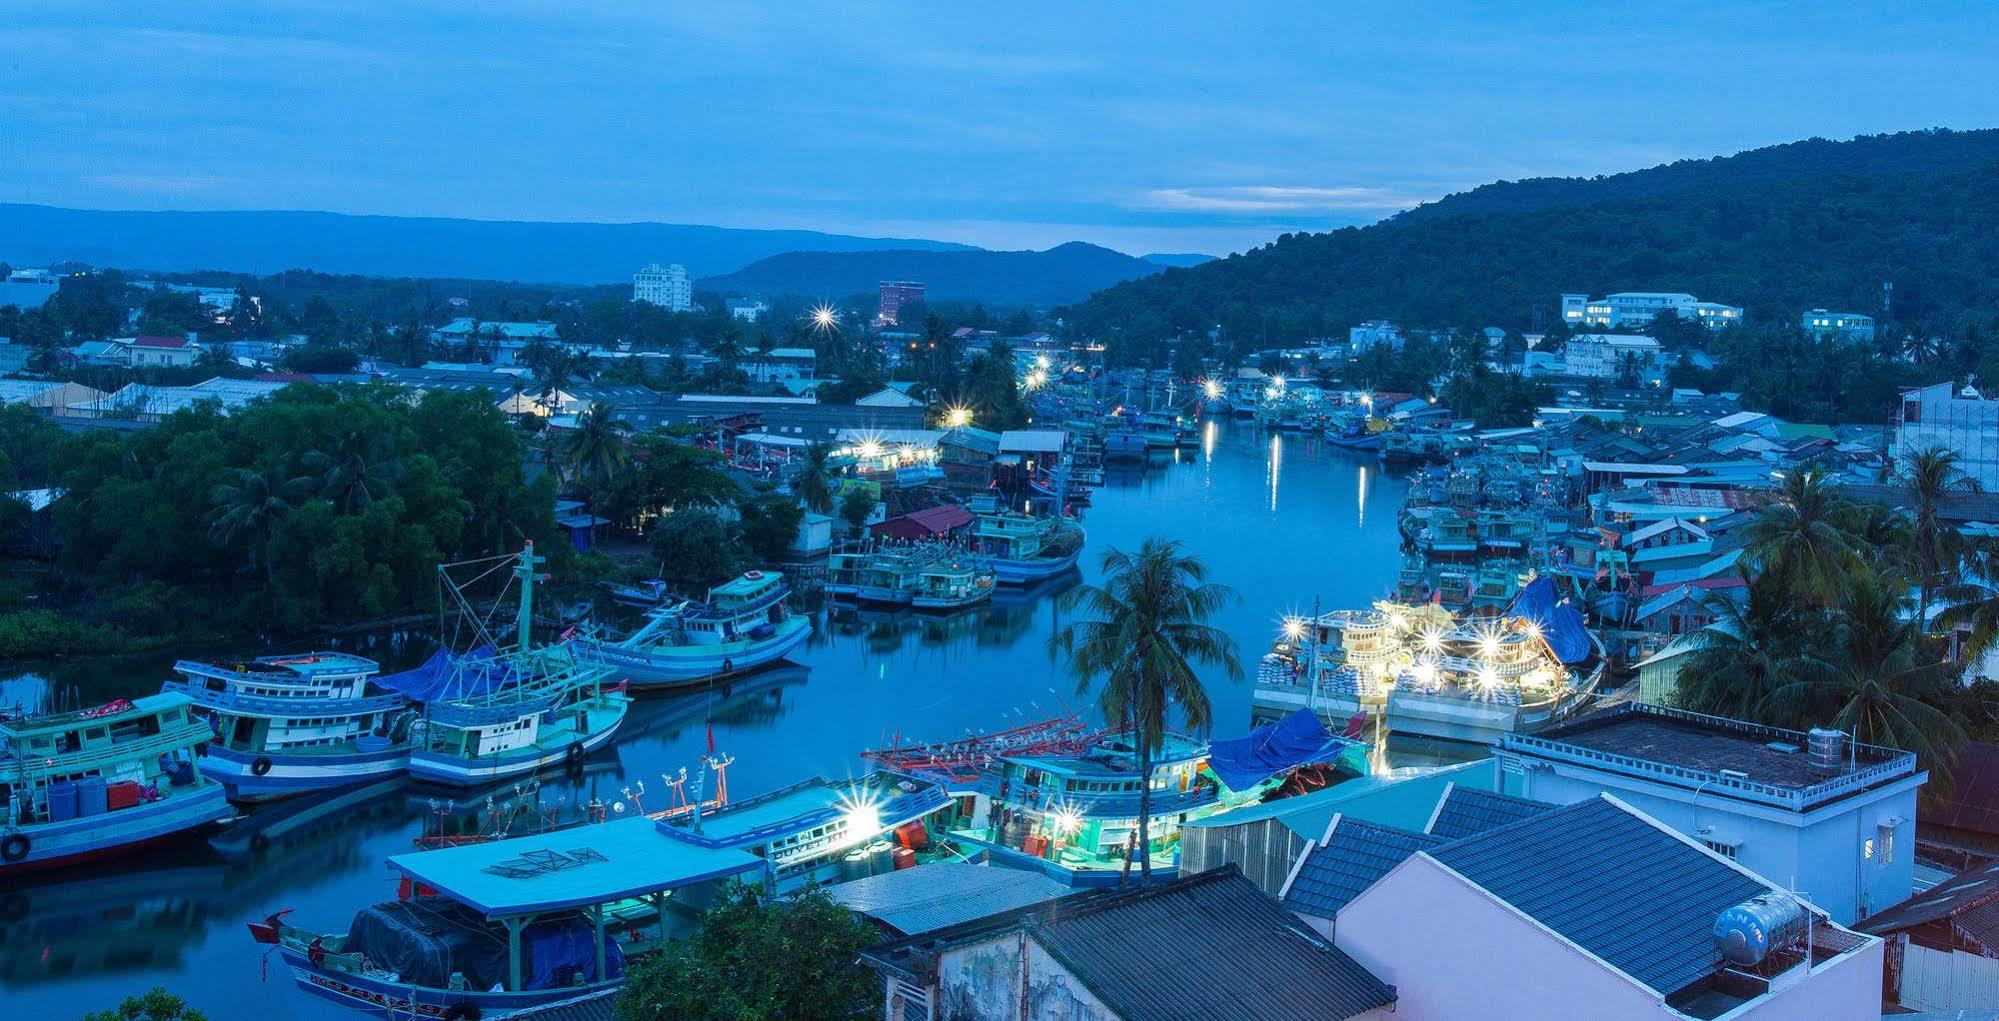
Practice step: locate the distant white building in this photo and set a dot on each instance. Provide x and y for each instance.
(1604, 356)
(1842, 325)
(1964, 422)
(29, 288)
(1374, 332)
(748, 310)
(666, 287)
(1639, 308)
(780, 364)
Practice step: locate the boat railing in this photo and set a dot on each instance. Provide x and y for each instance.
(236, 701)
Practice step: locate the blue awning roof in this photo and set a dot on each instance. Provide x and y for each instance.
(447, 675)
(1560, 622)
(1296, 740)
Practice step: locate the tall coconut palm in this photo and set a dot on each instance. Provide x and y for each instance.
(595, 450)
(250, 505)
(1929, 477)
(358, 470)
(813, 482)
(1743, 656)
(1144, 630)
(1971, 603)
(1801, 537)
(1878, 678)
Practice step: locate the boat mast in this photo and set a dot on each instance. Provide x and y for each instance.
(525, 572)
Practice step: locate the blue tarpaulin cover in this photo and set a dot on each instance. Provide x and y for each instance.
(447, 675)
(1296, 740)
(1560, 622)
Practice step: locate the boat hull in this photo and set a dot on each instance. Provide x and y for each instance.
(456, 771)
(1027, 572)
(299, 774)
(75, 841)
(935, 603)
(675, 666)
(319, 993)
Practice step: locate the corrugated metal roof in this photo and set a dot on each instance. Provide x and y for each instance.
(598, 1006)
(1351, 857)
(1464, 811)
(943, 894)
(1609, 881)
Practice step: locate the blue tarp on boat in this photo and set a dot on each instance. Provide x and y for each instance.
(1296, 740)
(1560, 622)
(448, 675)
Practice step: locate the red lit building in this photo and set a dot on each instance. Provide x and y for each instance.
(894, 295)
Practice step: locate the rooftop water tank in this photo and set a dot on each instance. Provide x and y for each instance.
(1746, 933)
(1827, 750)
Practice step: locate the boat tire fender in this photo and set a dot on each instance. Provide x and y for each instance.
(261, 767)
(461, 1011)
(15, 847)
(575, 753)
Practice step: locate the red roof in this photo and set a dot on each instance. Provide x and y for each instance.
(168, 342)
(928, 523)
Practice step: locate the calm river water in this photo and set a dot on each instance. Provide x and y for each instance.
(1283, 519)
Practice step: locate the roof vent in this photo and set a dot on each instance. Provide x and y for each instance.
(1827, 750)
(1786, 747)
(1746, 933)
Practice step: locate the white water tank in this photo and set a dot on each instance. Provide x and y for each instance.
(1826, 749)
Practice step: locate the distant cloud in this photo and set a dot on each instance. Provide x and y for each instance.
(1274, 199)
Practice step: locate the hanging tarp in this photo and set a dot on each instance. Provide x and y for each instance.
(425, 940)
(1556, 615)
(446, 675)
(1296, 740)
(561, 952)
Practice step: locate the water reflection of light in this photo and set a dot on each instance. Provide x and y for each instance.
(1361, 499)
(1276, 465)
(1209, 432)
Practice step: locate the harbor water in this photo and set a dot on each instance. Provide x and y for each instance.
(1283, 518)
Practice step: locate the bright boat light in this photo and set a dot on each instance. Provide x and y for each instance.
(1294, 628)
(870, 448)
(861, 818)
(1064, 821)
(1212, 388)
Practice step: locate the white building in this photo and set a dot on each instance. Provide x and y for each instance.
(1832, 820)
(748, 310)
(1639, 308)
(1842, 325)
(780, 364)
(1964, 422)
(666, 287)
(29, 288)
(1595, 910)
(1604, 355)
(1372, 333)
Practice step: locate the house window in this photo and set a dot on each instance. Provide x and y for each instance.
(1726, 850)
(1867, 849)
(1885, 843)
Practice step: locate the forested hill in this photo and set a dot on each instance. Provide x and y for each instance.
(1775, 247)
(1908, 152)
(1061, 274)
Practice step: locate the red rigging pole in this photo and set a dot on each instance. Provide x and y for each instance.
(960, 760)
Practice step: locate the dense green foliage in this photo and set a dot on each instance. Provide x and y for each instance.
(316, 504)
(755, 957)
(1776, 245)
(155, 1005)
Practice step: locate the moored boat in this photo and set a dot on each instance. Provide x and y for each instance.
(296, 723)
(743, 624)
(94, 782)
(1023, 549)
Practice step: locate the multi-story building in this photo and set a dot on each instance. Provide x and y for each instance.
(1964, 422)
(748, 310)
(1818, 814)
(894, 295)
(1606, 356)
(1372, 333)
(1841, 325)
(1639, 308)
(667, 287)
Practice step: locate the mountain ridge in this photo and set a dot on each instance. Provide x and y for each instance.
(1064, 273)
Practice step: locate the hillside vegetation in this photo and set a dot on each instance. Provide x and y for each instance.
(1061, 274)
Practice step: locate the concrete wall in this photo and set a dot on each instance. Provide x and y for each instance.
(1453, 952)
(1009, 978)
(1847, 989)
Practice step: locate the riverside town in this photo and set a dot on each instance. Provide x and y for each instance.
(660, 512)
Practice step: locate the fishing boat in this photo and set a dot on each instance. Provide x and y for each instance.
(1161, 430)
(1023, 549)
(953, 584)
(921, 575)
(94, 782)
(1425, 671)
(296, 723)
(502, 711)
(492, 928)
(743, 624)
(1060, 798)
(642, 594)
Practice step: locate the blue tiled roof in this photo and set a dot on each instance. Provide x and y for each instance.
(1609, 881)
(1356, 854)
(1464, 811)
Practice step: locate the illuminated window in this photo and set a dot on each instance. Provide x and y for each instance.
(1867, 849)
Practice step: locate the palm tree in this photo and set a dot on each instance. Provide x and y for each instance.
(1877, 679)
(1802, 538)
(596, 448)
(1145, 630)
(1744, 655)
(1930, 476)
(249, 507)
(1973, 600)
(360, 469)
(813, 485)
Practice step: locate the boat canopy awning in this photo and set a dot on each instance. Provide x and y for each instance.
(570, 868)
(1296, 740)
(446, 675)
(1560, 622)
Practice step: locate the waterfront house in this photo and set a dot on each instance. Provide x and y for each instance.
(1205, 946)
(941, 894)
(1822, 814)
(1598, 910)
